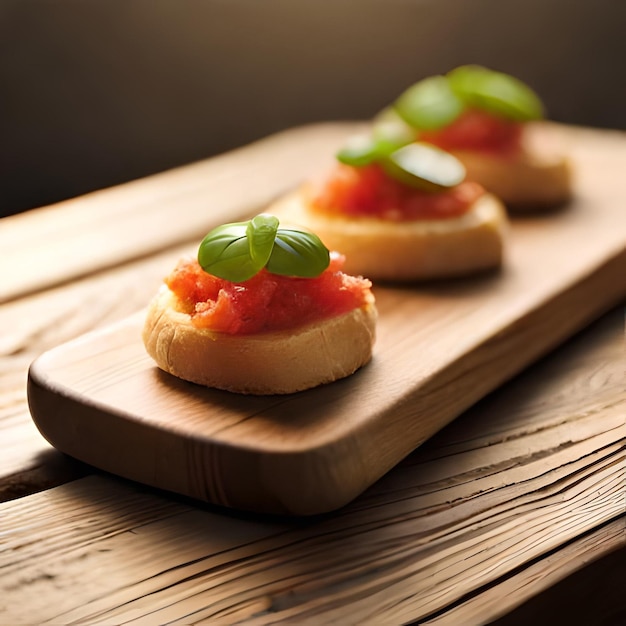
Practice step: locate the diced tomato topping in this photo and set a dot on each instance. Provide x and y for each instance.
(266, 302)
(477, 130)
(369, 191)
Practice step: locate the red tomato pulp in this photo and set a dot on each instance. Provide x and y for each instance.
(266, 302)
(370, 192)
(478, 130)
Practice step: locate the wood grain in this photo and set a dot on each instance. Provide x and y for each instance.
(539, 593)
(440, 348)
(500, 499)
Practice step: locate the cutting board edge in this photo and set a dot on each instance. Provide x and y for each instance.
(335, 483)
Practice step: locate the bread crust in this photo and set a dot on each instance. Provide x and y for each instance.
(406, 251)
(264, 364)
(528, 182)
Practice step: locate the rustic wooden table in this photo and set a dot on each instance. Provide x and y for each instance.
(513, 512)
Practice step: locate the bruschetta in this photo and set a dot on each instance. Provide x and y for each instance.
(493, 123)
(402, 214)
(261, 310)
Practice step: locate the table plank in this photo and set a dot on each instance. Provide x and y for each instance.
(540, 593)
(526, 472)
(96, 552)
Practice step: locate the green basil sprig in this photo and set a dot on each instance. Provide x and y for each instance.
(238, 251)
(429, 104)
(360, 150)
(424, 166)
(495, 92)
(417, 164)
(435, 102)
(389, 132)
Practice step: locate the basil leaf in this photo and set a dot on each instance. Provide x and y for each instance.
(358, 151)
(225, 253)
(424, 166)
(298, 253)
(238, 251)
(429, 104)
(390, 132)
(261, 232)
(495, 92)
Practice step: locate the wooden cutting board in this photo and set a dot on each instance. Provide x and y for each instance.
(440, 348)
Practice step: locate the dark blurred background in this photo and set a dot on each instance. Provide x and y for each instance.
(98, 92)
